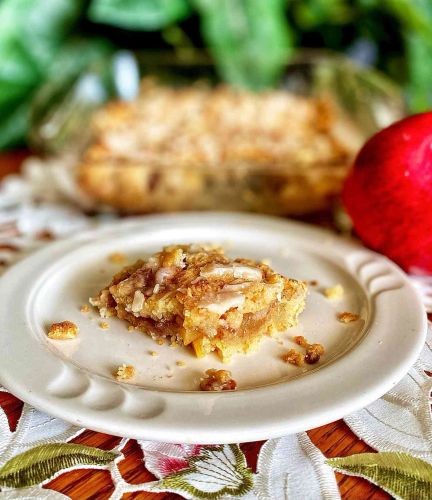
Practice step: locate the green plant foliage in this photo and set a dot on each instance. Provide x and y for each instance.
(249, 39)
(139, 14)
(35, 45)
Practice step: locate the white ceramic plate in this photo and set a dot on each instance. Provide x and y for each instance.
(72, 379)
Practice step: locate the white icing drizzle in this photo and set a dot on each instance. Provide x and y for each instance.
(236, 287)
(138, 301)
(163, 273)
(238, 270)
(222, 302)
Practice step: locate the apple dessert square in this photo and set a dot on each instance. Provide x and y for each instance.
(196, 295)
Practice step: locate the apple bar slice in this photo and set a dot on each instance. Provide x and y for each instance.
(197, 296)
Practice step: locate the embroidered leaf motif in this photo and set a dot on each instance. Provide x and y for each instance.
(401, 475)
(32, 493)
(40, 463)
(216, 471)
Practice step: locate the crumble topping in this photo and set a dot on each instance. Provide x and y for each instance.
(124, 372)
(294, 357)
(218, 380)
(334, 292)
(347, 317)
(63, 330)
(196, 295)
(301, 341)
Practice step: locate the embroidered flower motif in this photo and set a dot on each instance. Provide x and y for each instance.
(216, 471)
(163, 459)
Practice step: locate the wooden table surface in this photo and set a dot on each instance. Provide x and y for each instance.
(334, 440)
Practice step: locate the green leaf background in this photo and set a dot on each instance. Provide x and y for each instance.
(401, 475)
(31, 34)
(139, 14)
(249, 40)
(42, 462)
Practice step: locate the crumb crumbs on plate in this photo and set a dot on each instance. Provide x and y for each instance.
(124, 372)
(174, 344)
(160, 341)
(180, 363)
(313, 283)
(154, 354)
(293, 357)
(313, 351)
(117, 258)
(217, 380)
(103, 325)
(301, 341)
(85, 308)
(63, 330)
(130, 328)
(334, 292)
(347, 317)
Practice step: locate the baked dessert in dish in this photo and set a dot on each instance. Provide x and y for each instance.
(196, 295)
(202, 147)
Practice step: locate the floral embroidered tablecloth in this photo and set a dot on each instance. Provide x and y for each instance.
(38, 448)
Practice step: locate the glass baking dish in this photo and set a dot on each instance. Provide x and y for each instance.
(285, 151)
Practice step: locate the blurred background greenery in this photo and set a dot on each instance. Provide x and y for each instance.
(249, 40)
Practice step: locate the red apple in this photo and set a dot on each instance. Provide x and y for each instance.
(388, 194)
